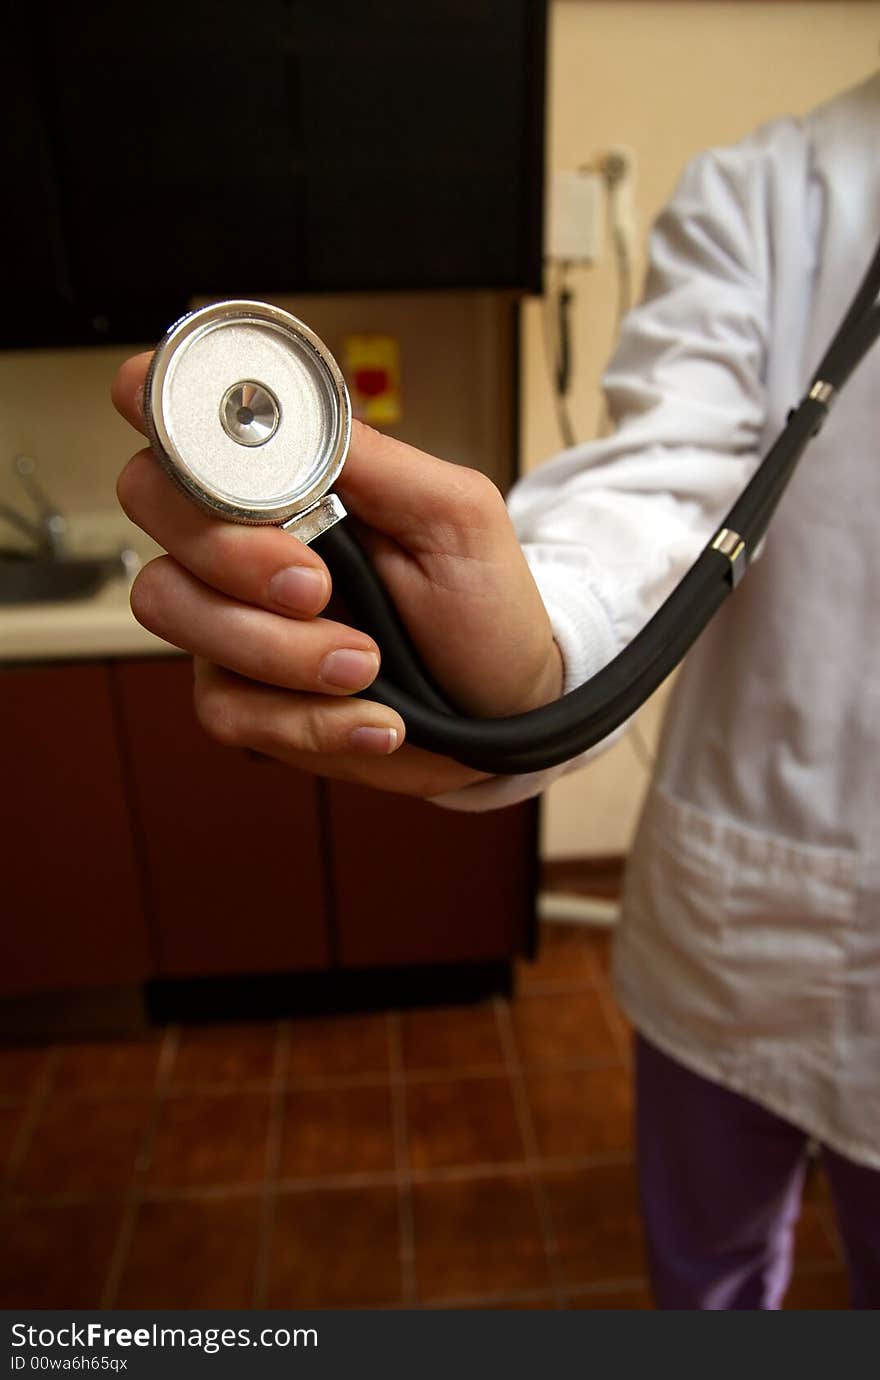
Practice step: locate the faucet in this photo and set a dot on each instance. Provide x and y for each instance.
(48, 531)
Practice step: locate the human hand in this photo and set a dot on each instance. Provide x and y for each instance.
(274, 676)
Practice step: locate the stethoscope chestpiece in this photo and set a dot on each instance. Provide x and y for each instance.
(247, 409)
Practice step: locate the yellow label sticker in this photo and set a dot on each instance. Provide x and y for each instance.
(372, 372)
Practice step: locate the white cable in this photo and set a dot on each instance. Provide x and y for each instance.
(565, 908)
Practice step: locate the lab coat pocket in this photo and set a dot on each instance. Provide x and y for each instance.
(786, 917)
(732, 934)
(668, 966)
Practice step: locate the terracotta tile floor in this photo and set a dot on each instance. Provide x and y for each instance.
(475, 1156)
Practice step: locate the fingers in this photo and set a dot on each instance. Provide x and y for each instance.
(259, 565)
(349, 740)
(240, 713)
(127, 389)
(313, 655)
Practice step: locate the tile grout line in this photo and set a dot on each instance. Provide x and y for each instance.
(593, 1288)
(532, 1153)
(331, 1082)
(603, 986)
(403, 1176)
(335, 1183)
(487, 1169)
(274, 1139)
(450, 1074)
(122, 1247)
(554, 987)
(34, 1108)
(618, 1031)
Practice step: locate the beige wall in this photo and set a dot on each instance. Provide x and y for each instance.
(664, 79)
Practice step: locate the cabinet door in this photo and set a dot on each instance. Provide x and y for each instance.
(189, 106)
(69, 890)
(417, 884)
(445, 168)
(277, 147)
(34, 272)
(231, 843)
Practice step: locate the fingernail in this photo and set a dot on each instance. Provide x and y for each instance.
(298, 588)
(379, 741)
(139, 399)
(347, 669)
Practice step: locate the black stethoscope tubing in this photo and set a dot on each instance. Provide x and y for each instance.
(560, 731)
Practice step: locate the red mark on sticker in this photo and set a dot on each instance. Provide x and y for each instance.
(370, 382)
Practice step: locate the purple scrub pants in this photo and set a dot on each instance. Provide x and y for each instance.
(720, 1181)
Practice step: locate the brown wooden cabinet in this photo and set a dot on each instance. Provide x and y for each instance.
(414, 884)
(134, 848)
(231, 842)
(70, 889)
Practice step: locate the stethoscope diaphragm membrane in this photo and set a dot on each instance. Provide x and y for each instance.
(247, 409)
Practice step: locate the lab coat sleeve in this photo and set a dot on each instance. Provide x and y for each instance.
(610, 527)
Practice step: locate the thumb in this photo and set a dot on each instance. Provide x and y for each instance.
(127, 389)
(407, 493)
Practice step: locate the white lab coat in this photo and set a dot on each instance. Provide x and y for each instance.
(749, 948)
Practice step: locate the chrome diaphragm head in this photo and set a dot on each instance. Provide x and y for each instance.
(247, 409)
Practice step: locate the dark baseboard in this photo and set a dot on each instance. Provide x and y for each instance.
(126, 1011)
(276, 995)
(595, 876)
(93, 1011)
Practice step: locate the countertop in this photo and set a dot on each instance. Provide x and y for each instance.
(84, 629)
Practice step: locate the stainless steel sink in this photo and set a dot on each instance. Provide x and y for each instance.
(31, 578)
(46, 570)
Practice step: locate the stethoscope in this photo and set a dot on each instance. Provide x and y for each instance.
(247, 409)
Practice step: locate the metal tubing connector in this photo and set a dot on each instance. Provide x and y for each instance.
(731, 545)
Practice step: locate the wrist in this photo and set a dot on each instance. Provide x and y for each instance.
(548, 686)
